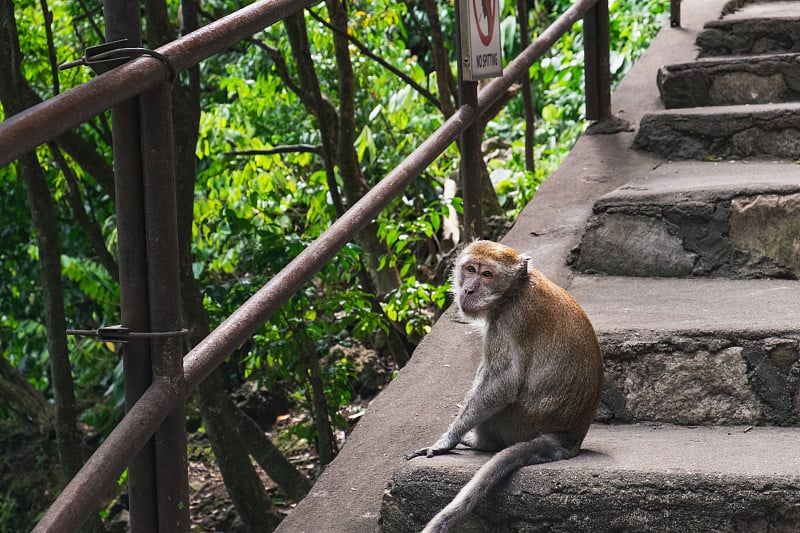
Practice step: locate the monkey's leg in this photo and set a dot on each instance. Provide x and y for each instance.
(478, 440)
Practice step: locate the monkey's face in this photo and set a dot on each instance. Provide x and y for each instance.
(485, 274)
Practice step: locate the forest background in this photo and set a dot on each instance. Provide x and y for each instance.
(274, 139)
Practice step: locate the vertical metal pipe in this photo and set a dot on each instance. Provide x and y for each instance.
(470, 146)
(123, 21)
(596, 61)
(471, 181)
(675, 13)
(527, 99)
(161, 221)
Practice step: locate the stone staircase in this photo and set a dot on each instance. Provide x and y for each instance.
(684, 253)
(688, 271)
(741, 103)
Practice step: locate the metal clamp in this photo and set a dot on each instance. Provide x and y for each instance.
(123, 334)
(104, 57)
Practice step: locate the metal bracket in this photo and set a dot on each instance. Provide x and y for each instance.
(123, 334)
(104, 57)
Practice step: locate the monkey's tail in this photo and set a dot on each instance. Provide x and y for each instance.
(543, 449)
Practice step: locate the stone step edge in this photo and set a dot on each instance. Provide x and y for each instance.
(667, 360)
(634, 477)
(732, 220)
(756, 131)
(681, 305)
(691, 181)
(736, 80)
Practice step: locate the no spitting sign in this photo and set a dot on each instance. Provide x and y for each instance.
(480, 39)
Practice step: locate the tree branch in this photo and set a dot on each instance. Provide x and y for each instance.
(51, 48)
(382, 62)
(90, 226)
(286, 149)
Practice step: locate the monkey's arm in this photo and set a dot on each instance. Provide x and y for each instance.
(492, 390)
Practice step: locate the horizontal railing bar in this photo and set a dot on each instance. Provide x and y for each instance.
(105, 466)
(24, 131)
(99, 475)
(240, 325)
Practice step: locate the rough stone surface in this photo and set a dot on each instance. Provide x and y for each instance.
(726, 132)
(702, 379)
(702, 221)
(768, 225)
(606, 488)
(738, 36)
(633, 246)
(731, 81)
(673, 241)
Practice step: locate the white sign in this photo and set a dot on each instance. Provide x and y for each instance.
(480, 39)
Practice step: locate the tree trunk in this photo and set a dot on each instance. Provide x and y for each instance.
(445, 81)
(21, 398)
(354, 184)
(277, 467)
(243, 484)
(328, 120)
(326, 444)
(43, 213)
(217, 409)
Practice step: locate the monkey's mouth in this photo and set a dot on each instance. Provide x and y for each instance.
(471, 306)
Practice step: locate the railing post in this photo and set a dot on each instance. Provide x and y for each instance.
(158, 165)
(471, 181)
(675, 13)
(470, 146)
(525, 93)
(123, 21)
(596, 62)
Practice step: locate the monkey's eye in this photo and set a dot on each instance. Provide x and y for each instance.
(486, 274)
(471, 269)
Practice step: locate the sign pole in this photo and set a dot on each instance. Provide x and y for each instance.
(480, 56)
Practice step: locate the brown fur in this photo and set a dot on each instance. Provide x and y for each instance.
(540, 378)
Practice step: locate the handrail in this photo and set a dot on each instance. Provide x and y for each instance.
(23, 132)
(209, 353)
(47, 120)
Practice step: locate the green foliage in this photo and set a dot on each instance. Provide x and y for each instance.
(557, 81)
(8, 512)
(254, 210)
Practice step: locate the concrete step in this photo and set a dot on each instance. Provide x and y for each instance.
(629, 478)
(729, 219)
(764, 79)
(695, 352)
(756, 28)
(725, 132)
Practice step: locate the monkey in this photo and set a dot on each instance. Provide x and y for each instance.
(539, 380)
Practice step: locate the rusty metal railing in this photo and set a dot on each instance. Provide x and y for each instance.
(675, 13)
(27, 130)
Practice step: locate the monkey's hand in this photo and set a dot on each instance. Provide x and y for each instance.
(443, 445)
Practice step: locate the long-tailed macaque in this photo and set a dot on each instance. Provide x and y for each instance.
(540, 378)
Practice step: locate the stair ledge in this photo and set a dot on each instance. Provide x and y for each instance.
(738, 80)
(759, 28)
(731, 219)
(780, 9)
(709, 182)
(654, 306)
(630, 477)
(756, 131)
